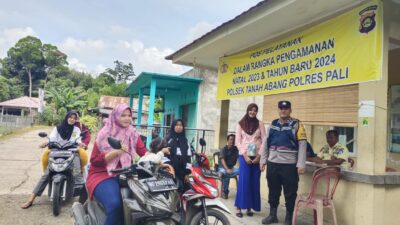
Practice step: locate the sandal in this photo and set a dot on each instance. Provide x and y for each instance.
(239, 214)
(27, 205)
(249, 213)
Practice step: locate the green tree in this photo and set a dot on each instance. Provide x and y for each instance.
(31, 61)
(115, 90)
(92, 98)
(10, 88)
(122, 72)
(67, 98)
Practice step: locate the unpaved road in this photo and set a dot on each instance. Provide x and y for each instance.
(20, 169)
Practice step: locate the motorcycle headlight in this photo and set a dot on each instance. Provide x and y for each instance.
(59, 167)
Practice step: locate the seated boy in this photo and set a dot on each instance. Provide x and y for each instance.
(333, 153)
(228, 158)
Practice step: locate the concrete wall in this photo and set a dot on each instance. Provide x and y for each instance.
(208, 110)
(352, 201)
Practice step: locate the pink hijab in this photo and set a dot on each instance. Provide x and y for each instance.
(128, 136)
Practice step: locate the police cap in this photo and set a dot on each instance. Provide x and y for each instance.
(284, 105)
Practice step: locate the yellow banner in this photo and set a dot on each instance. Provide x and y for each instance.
(344, 50)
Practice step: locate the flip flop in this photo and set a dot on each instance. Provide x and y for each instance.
(27, 205)
(239, 214)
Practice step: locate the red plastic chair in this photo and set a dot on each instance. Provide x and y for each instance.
(318, 202)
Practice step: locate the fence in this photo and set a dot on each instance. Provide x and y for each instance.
(193, 135)
(11, 122)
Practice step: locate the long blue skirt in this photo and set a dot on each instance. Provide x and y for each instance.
(248, 193)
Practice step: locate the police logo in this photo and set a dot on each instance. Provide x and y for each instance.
(224, 68)
(367, 19)
(340, 151)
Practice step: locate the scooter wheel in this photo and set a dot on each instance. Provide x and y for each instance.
(78, 212)
(214, 217)
(56, 199)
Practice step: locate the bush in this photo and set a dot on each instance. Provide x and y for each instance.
(90, 121)
(50, 117)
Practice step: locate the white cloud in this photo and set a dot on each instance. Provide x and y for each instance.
(198, 30)
(95, 55)
(75, 64)
(77, 45)
(8, 37)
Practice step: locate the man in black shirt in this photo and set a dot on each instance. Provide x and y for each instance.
(227, 160)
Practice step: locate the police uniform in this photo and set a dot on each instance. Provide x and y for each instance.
(284, 152)
(338, 150)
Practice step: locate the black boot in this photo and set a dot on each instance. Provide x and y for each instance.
(272, 218)
(288, 218)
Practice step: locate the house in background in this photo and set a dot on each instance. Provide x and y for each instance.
(108, 103)
(191, 97)
(22, 106)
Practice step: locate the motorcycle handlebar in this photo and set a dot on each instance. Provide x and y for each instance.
(119, 170)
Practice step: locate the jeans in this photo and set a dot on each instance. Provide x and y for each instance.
(108, 194)
(226, 178)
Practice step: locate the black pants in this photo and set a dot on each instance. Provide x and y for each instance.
(285, 175)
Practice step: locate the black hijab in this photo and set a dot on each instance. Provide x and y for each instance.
(179, 138)
(174, 141)
(64, 129)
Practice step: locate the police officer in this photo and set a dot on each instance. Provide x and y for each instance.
(284, 154)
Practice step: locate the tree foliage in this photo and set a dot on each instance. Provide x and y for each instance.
(122, 72)
(30, 61)
(31, 64)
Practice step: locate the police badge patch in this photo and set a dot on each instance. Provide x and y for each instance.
(367, 19)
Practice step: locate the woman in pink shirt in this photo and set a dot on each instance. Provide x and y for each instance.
(250, 133)
(100, 183)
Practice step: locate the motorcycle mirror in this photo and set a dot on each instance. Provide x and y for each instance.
(114, 143)
(43, 134)
(202, 142)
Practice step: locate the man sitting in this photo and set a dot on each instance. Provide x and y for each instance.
(227, 160)
(333, 153)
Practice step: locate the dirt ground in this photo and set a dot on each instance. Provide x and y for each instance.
(20, 169)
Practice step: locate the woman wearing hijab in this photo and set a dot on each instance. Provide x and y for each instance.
(180, 152)
(101, 183)
(250, 133)
(87, 136)
(63, 133)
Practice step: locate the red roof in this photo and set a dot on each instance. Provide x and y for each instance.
(22, 102)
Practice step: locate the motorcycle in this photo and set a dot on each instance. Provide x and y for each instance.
(62, 184)
(201, 202)
(150, 197)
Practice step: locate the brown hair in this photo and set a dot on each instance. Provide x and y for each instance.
(248, 124)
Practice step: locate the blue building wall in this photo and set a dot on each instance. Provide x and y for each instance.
(174, 101)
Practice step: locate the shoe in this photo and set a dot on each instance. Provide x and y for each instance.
(224, 196)
(249, 213)
(239, 214)
(272, 218)
(288, 218)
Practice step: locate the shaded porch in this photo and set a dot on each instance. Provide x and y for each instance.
(178, 97)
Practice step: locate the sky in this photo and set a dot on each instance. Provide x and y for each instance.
(95, 33)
